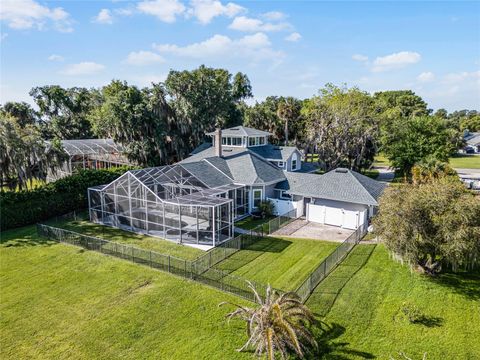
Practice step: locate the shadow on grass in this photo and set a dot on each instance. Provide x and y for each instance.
(430, 321)
(15, 238)
(330, 348)
(250, 253)
(464, 283)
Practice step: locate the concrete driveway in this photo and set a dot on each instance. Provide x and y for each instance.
(301, 228)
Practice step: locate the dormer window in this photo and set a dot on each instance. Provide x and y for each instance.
(256, 141)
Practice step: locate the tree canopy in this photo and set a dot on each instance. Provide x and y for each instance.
(432, 224)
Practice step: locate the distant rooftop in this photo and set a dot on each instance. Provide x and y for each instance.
(242, 131)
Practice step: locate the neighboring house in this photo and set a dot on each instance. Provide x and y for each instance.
(197, 200)
(472, 141)
(89, 154)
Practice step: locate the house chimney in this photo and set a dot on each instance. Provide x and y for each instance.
(218, 142)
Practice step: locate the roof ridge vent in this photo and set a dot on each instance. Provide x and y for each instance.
(341, 170)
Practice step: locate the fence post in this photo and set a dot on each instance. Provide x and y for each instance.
(185, 268)
(209, 260)
(133, 256)
(151, 258)
(168, 263)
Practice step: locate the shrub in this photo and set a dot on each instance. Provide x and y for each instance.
(62, 196)
(266, 208)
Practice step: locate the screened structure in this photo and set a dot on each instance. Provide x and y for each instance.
(89, 154)
(169, 202)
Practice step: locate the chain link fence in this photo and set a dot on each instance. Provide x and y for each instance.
(327, 265)
(213, 277)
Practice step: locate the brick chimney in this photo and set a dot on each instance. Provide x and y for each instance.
(218, 142)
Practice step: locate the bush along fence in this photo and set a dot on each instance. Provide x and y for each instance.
(327, 265)
(213, 277)
(230, 247)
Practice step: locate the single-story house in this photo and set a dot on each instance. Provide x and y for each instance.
(197, 200)
(472, 140)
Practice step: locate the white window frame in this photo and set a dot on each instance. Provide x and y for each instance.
(281, 164)
(253, 197)
(285, 196)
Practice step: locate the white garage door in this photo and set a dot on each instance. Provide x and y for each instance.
(328, 215)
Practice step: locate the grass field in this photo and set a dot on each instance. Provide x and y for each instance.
(250, 223)
(365, 313)
(61, 302)
(134, 239)
(465, 162)
(283, 262)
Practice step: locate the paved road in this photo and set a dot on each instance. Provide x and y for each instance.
(385, 174)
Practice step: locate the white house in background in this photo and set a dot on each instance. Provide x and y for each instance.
(472, 140)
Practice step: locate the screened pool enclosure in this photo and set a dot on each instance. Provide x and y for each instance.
(171, 203)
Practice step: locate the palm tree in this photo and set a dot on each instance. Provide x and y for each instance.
(430, 169)
(288, 110)
(280, 325)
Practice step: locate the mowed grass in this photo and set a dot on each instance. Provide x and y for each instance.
(130, 238)
(61, 302)
(249, 223)
(284, 263)
(465, 161)
(364, 320)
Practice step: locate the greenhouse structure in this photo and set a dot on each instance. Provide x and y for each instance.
(89, 154)
(171, 203)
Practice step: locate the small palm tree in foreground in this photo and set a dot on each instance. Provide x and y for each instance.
(280, 325)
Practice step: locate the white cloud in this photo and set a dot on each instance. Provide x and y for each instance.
(140, 58)
(426, 76)
(83, 68)
(27, 14)
(459, 77)
(274, 15)
(360, 57)
(395, 61)
(206, 10)
(165, 10)
(147, 80)
(104, 17)
(243, 23)
(256, 47)
(55, 57)
(293, 37)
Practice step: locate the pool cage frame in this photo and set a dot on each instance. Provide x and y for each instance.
(171, 203)
(89, 154)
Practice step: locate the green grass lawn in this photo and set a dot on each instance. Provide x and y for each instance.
(283, 262)
(364, 318)
(465, 162)
(62, 302)
(249, 223)
(381, 160)
(372, 173)
(126, 237)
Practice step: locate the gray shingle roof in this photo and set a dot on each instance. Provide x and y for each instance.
(242, 131)
(269, 152)
(242, 166)
(207, 174)
(473, 139)
(339, 184)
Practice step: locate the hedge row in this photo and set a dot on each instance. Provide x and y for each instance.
(57, 198)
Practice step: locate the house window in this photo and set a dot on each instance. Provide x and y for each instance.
(284, 195)
(262, 140)
(236, 141)
(257, 197)
(224, 141)
(280, 164)
(294, 164)
(251, 141)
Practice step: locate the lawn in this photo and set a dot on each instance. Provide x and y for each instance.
(372, 173)
(381, 160)
(249, 223)
(465, 162)
(62, 302)
(134, 239)
(364, 318)
(283, 262)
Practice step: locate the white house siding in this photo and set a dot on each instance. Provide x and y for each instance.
(296, 155)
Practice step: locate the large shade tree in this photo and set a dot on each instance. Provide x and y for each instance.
(407, 141)
(205, 98)
(341, 127)
(24, 155)
(139, 119)
(431, 225)
(65, 111)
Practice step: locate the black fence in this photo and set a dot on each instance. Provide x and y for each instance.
(213, 277)
(230, 247)
(327, 265)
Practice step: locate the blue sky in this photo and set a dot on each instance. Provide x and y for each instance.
(285, 47)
